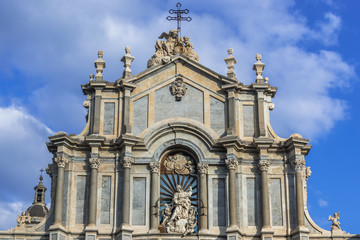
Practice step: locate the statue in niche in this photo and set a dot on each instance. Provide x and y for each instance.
(182, 218)
(335, 221)
(172, 45)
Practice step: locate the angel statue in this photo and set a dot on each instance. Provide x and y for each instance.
(335, 223)
(171, 43)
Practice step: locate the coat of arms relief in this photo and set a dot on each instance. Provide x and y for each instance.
(179, 208)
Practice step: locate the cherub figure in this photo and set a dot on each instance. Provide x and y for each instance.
(167, 212)
(335, 223)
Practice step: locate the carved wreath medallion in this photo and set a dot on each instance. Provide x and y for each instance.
(178, 88)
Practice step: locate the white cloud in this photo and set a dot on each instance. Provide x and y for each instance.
(9, 212)
(323, 203)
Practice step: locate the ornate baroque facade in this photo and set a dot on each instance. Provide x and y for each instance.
(176, 151)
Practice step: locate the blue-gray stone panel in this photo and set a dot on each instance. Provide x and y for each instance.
(140, 115)
(253, 201)
(219, 202)
(217, 115)
(81, 197)
(191, 104)
(109, 118)
(276, 202)
(118, 209)
(105, 200)
(292, 199)
(249, 121)
(139, 201)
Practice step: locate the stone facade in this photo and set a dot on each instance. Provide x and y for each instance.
(177, 151)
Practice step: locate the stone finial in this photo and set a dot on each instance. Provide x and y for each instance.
(266, 79)
(99, 65)
(127, 60)
(230, 61)
(259, 68)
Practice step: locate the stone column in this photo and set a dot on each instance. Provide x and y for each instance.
(155, 175)
(299, 165)
(127, 161)
(264, 167)
(203, 170)
(232, 165)
(61, 162)
(94, 165)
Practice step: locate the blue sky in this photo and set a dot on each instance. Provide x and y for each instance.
(310, 48)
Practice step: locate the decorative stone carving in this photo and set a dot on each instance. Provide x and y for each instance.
(298, 164)
(179, 216)
(203, 168)
(231, 163)
(127, 161)
(335, 221)
(23, 219)
(173, 45)
(154, 167)
(180, 164)
(94, 163)
(127, 60)
(178, 88)
(307, 172)
(264, 165)
(61, 161)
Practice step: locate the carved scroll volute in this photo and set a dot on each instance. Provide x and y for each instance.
(203, 168)
(231, 163)
(61, 161)
(127, 162)
(154, 167)
(264, 165)
(94, 163)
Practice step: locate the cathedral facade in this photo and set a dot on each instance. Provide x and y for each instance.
(176, 151)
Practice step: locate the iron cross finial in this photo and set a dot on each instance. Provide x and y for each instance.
(178, 17)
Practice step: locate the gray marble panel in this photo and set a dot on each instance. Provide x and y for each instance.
(249, 121)
(118, 209)
(139, 201)
(81, 203)
(217, 115)
(105, 200)
(54, 236)
(62, 237)
(276, 202)
(109, 118)
(252, 201)
(126, 237)
(219, 201)
(91, 237)
(191, 104)
(292, 200)
(65, 199)
(140, 115)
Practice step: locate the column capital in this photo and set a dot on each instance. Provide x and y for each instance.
(61, 161)
(127, 161)
(154, 167)
(298, 164)
(94, 163)
(203, 168)
(231, 163)
(264, 165)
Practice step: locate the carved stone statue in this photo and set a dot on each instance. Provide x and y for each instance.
(172, 45)
(181, 218)
(335, 221)
(23, 219)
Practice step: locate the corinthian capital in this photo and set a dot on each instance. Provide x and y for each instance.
(203, 168)
(127, 161)
(61, 161)
(94, 163)
(154, 167)
(264, 165)
(298, 164)
(231, 163)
